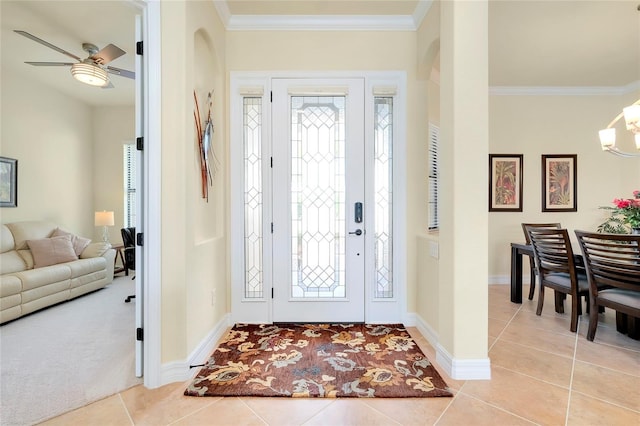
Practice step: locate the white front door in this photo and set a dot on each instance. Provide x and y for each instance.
(318, 200)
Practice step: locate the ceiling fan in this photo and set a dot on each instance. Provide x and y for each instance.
(93, 70)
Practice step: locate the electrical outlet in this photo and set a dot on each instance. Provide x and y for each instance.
(434, 249)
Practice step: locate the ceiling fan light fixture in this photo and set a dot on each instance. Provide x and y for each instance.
(89, 74)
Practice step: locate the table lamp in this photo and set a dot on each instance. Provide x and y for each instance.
(104, 219)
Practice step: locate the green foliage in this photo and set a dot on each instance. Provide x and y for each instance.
(615, 223)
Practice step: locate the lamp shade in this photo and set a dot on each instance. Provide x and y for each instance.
(89, 74)
(104, 218)
(607, 138)
(632, 117)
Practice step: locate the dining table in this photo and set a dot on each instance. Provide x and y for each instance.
(624, 324)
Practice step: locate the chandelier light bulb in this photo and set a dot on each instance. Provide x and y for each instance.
(632, 117)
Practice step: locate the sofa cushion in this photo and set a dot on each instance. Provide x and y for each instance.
(51, 251)
(43, 277)
(79, 243)
(27, 257)
(82, 267)
(11, 262)
(30, 230)
(10, 285)
(6, 240)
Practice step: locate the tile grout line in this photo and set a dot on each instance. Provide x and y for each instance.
(608, 402)
(455, 396)
(573, 367)
(252, 410)
(497, 407)
(505, 327)
(126, 410)
(195, 411)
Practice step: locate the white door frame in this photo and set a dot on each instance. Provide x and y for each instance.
(149, 264)
(258, 84)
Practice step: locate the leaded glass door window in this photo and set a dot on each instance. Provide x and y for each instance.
(318, 181)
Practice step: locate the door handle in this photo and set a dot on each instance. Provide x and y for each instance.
(356, 232)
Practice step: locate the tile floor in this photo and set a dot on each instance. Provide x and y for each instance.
(541, 374)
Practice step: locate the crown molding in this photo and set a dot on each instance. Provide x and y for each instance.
(565, 90)
(322, 22)
(223, 11)
(421, 11)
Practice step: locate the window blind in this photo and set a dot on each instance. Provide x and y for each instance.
(129, 185)
(434, 173)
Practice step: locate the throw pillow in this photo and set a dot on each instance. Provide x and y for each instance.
(51, 251)
(79, 243)
(95, 249)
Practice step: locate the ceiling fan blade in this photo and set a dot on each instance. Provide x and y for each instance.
(121, 72)
(51, 64)
(46, 43)
(108, 54)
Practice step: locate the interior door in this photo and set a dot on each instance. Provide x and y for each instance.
(140, 183)
(318, 200)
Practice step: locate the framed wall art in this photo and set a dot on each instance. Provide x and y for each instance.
(505, 182)
(8, 182)
(559, 183)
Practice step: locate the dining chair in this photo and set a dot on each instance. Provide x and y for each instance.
(129, 242)
(532, 262)
(556, 268)
(612, 262)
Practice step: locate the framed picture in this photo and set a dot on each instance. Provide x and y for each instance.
(505, 182)
(559, 183)
(8, 182)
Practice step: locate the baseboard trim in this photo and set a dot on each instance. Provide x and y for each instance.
(458, 369)
(427, 331)
(463, 369)
(180, 371)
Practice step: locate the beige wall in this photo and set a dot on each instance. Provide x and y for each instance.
(69, 156)
(536, 125)
(112, 127)
(51, 136)
(335, 51)
(194, 237)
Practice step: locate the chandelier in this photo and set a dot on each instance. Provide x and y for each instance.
(631, 116)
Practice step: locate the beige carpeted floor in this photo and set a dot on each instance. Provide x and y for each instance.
(68, 355)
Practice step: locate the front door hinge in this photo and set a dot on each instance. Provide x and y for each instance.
(140, 143)
(272, 292)
(271, 95)
(139, 48)
(272, 227)
(139, 334)
(140, 239)
(272, 162)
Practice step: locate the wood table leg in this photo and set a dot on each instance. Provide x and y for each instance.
(516, 276)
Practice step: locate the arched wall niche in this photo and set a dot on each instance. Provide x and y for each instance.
(208, 87)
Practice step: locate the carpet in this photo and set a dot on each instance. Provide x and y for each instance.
(318, 360)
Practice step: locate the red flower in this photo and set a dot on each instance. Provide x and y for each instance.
(621, 203)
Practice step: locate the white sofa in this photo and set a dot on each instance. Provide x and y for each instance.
(41, 265)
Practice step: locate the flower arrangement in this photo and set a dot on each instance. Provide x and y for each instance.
(625, 215)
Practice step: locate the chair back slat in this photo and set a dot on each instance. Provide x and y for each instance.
(552, 250)
(527, 226)
(611, 260)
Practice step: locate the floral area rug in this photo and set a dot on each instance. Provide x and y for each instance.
(318, 360)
